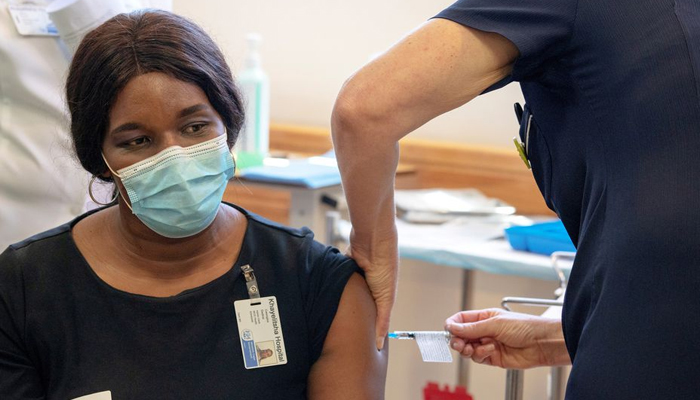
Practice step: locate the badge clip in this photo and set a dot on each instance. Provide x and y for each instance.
(252, 284)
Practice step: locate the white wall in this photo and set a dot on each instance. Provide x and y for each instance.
(311, 46)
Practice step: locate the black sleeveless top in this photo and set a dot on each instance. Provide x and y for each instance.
(65, 333)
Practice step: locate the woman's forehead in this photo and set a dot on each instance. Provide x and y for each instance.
(155, 92)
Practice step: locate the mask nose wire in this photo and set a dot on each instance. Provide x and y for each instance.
(115, 183)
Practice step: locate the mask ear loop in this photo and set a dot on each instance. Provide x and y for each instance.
(230, 150)
(115, 183)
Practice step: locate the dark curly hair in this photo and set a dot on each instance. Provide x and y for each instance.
(129, 45)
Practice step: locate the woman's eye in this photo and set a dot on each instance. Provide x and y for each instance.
(195, 128)
(136, 142)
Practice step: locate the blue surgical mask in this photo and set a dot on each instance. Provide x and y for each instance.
(177, 192)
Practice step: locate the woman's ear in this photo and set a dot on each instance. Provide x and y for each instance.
(106, 174)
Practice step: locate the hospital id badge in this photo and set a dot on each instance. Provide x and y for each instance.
(260, 330)
(32, 19)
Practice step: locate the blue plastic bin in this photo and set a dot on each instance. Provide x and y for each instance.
(543, 238)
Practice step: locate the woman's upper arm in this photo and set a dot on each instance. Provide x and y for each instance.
(350, 367)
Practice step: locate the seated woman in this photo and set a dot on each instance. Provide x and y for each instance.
(146, 299)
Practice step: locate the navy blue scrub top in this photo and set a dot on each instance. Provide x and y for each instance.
(613, 91)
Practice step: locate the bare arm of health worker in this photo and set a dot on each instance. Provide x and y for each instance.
(438, 67)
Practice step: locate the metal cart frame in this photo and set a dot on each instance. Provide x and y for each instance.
(514, 377)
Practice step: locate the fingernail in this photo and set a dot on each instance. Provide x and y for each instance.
(380, 343)
(454, 345)
(489, 348)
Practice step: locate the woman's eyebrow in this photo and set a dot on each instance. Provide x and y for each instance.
(129, 126)
(183, 113)
(192, 109)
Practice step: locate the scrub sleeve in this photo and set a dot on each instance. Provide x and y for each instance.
(540, 29)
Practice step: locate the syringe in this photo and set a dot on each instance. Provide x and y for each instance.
(412, 335)
(433, 345)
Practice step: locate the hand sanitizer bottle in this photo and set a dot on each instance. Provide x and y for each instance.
(253, 143)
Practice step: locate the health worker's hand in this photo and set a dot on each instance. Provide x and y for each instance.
(379, 259)
(508, 339)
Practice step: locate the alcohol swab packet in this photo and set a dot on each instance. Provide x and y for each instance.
(434, 346)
